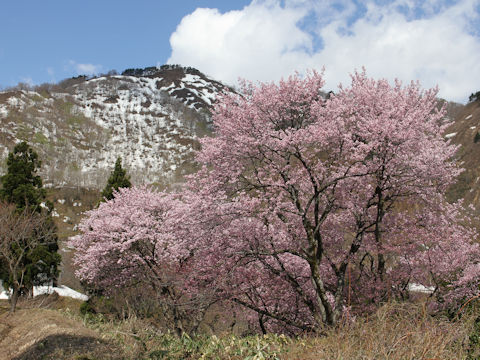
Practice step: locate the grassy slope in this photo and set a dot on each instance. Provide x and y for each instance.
(54, 329)
(41, 331)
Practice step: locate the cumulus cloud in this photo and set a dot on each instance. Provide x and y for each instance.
(85, 69)
(432, 41)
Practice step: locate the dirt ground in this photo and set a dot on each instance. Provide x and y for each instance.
(45, 333)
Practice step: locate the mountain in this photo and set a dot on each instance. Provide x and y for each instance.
(465, 132)
(150, 117)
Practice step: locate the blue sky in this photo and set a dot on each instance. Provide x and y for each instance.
(45, 41)
(434, 41)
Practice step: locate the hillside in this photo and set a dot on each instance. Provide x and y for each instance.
(466, 133)
(153, 119)
(150, 117)
(56, 336)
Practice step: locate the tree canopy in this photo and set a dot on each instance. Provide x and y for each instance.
(474, 96)
(127, 243)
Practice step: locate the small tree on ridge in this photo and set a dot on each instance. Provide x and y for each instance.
(118, 179)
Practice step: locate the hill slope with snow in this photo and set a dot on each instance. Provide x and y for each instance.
(150, 117)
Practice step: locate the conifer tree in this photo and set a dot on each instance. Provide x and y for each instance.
(118, 179)
(22, 187)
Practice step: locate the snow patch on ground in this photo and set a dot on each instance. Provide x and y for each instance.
(419, 288)
(3, 111)
(448, 136)
(468, 117)
(61, 290)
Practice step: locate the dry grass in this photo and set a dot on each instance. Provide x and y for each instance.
(37, 333)
(395, 331)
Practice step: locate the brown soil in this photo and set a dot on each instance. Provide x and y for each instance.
(35, 333)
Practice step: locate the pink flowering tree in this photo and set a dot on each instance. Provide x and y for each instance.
(126, 243)
(307, 207)
(305, 210)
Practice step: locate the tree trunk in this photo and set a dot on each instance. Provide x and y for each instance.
(381, 266)
(339, 296)
(325, 307)
(14, 298)
(378, 234)
(177, 322)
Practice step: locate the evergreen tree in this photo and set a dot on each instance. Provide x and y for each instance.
(22, 187)
(118, 179)
(474, 97)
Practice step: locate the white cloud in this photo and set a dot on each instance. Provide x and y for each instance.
(85, 69)
(405, 39)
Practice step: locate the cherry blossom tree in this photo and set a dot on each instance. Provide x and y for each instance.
(307, 205)
(126, 244)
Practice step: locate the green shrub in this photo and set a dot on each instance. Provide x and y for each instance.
(87, 308)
